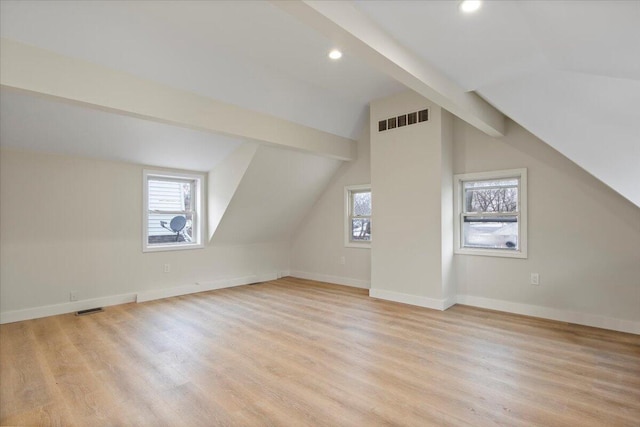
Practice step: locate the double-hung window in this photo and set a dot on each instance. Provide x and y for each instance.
(357, 200)
(172, 211)
(491, 213)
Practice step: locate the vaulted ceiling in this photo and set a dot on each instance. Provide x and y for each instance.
(569, 72)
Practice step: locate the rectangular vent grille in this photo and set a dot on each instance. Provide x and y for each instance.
(403, 120)
(89, 311)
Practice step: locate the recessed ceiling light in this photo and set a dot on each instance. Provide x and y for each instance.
(335, 54)
(468, 6)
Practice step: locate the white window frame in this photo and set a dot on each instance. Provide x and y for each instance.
(198, 222)
(459, 180)
(349, 190)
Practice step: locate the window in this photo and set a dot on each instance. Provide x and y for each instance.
(357, 216)
(491, 213)
(172, 211)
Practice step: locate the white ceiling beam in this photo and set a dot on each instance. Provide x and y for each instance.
(353, 31)
(36, 70)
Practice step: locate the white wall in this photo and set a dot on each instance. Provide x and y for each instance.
(74, 224)
(449, 282)
(317, 246)
(224, 180)
(584, 238)
(408, 165)
(277, 190)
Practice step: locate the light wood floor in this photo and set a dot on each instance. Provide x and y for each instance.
(294, 353)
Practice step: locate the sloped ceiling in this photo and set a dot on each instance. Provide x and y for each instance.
(247, 53)
(30, 122)
(277, 190)
(568, 71)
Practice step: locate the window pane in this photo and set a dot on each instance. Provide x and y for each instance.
(491, 233)
(170, 228)
(362, 204)
(498, 198)
(169, 195)
(360, 229)
(172, 215)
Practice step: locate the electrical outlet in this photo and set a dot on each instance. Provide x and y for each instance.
(166, 268)
(535, 279)
(343, 260)
(73, 296)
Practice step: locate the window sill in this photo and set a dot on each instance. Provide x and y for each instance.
(491, 252)
(358, 245)
(164, 248)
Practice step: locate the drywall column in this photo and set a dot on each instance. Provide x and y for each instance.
(411, 178)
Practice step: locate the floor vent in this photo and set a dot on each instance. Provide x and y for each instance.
(89, 311)
(403, 120)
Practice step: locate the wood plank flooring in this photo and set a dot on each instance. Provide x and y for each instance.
(294, 352)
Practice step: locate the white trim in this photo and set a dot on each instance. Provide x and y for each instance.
(504, 253)
(458, 179)
(347, 211)
(449, 302)
(585, 319)
(338, 280)
(199, 214)
(67, 307)
(70, 307)
(283, 273)
(195, 288)
(204, 287)
(267, 277)
(435, 304)
(594, 320)
(163, 248)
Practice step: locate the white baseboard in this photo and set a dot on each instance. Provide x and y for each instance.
(284, 273)
(346, 281)
(67, 307)
(267, 277)
(70, 307)
(598, 321)
(586, 319)
(203, 287)
(436, 304)
(449, 302)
